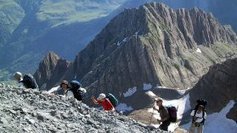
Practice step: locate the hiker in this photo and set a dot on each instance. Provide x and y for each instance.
(27, 80)
(164, 115)
(198, 117)
(61, 90)
(104, 102)
(77, 90)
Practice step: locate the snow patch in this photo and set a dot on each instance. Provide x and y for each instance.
(125, 39)
(118, 43)
(147, 87)
(123, 107)
(182, 105)
(151, 94)
(130, 92)
(181, 92)
(218, 123)
(161, 87)
(198, 50)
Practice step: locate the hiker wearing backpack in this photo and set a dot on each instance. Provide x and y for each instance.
(164, 115)
(104, 102)
(198, 117)
(61, 90)
(76, 89)
(27, 80)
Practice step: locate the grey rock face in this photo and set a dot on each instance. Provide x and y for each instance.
(218, 87)
(51, 114)
(51, 69)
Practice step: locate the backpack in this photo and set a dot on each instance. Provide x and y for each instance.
(200, 102)
(172, 113)
(29, 81)
(78, 92)
(112, 99)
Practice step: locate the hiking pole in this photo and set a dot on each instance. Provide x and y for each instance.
(153, 111)
(151, 117)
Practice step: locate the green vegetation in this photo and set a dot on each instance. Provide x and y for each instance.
(176, 66)
(6, 78)
(69, 11)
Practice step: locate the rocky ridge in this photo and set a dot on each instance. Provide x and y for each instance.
(218, 87)
(33, 111)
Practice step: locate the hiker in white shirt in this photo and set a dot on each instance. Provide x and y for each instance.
(198, 118)
(63, 89)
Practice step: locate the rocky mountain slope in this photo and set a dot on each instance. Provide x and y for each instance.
(29, 29)
(153, 44)
(51, 69)
(32, 111)
(218, 87)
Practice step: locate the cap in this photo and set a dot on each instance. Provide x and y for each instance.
(101, 96)
(18, 75)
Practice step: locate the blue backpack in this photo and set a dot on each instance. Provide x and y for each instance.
(75, 88)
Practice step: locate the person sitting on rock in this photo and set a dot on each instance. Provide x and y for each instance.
(27, 80)
(104, 102)
(164, 115)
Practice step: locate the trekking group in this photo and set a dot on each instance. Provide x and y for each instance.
(74, 89)
(71, 89)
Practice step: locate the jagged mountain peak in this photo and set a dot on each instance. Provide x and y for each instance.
(186, 27)
(152, 44)
(51, 57)
(51, 69)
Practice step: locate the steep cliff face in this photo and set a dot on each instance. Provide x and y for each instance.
(50, 70)
(218, 87)
(153, 44)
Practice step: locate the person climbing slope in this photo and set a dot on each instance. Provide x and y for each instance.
(27, 80)
(104, 102)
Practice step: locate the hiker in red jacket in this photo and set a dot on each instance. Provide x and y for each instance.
(104, 102)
